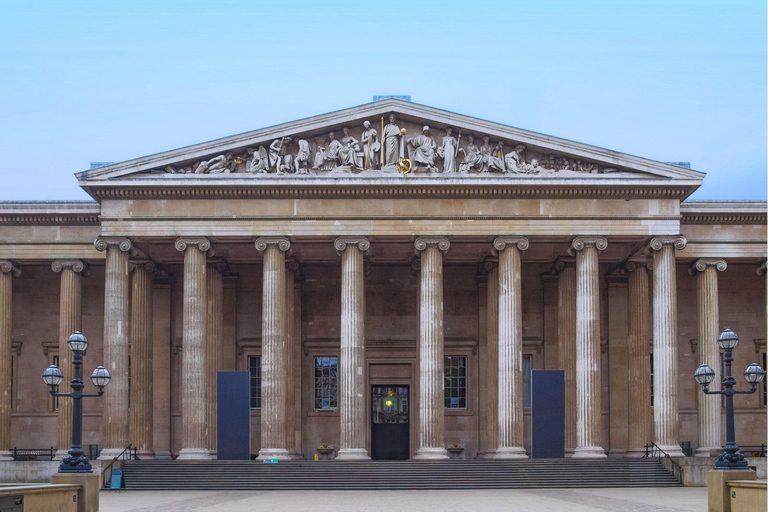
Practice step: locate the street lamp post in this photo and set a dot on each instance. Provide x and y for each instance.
(731, 458)
(77, 462)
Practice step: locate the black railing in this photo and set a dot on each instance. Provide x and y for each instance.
(22, 454)
(753, 451)
(128, 453)
(652, 450)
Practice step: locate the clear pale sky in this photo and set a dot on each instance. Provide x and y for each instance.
(113, 80)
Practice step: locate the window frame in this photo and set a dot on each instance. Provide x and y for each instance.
(250, 381)
(314, 383)
(466, 382)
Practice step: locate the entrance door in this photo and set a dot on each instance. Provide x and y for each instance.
(389, 423)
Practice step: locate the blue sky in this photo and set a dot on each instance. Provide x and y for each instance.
(667, 80)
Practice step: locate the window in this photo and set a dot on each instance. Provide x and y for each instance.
(254, 367)
(326, 383)
(455, 383)
(527, 370)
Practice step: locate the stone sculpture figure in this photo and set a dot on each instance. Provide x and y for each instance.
(279, 159)
(301, 160)
(391, 139)
(332, 151)
(421, 150)
(172, 170)
(448, 151)
(371, 146)
(260, 161)
(217, 165)
(348, 153)
(472, 157)
(514, 160)
(533, 167)
(491, 159)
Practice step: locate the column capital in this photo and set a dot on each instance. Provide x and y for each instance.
(101, 243)
(487, 265)
(362, 243)
(701, 264)
(761, 270)
(74, 265)
(501, 242)
(677, 241)
(220, 265)
(415, 266)
(583, 241)
(201, 242)
(423, 242)
(634, 264)
(141, 264)
(7, 267)
(280, 242)
(562, 263)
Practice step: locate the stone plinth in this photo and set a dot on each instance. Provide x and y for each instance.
(718, 494)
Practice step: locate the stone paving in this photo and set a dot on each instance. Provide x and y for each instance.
(573, 500)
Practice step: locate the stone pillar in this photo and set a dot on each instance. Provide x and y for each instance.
(352, 384)
(214, 326)
(588, 385)
(194, 398)
(273, 342)
(665, 405)
(431, 444)
(140, 421)
(492, 373)
(705, 269)
(7, 272)
(510, 341)
(291, 271)
(566, 343)
(117, 309)
(640, 431)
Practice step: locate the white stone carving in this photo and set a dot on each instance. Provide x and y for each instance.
(421, 150)
(391, 140)
(302, 158)
(448, 151)
(349, 153)
(371, 146)
(218, 165)
(472, 157)
(260, 161)
(279, 160)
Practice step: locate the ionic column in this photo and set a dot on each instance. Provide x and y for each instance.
(491, 267)
(431, 361)
(117, 310)
(273, 342)
(194, 398)
(588, 388)
(665, 405)
(510, 340)
(292, 270)
(705, 269)
(140, 418)
(640, 431)
(566, 343)
(7, 272)
(352, 361)
(214, 326)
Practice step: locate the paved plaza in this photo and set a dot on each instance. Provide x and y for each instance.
(572, 500)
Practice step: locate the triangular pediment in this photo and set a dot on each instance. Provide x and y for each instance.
(306, 148)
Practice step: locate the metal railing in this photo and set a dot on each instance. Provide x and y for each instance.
(652, 450)
(753, 451)
(129, 453)
(27, 454)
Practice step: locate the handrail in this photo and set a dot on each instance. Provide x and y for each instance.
(652, 448)
(128, 453)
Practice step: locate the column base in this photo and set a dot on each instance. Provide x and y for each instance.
(589, 452)
(510, 452)
(437, 453)
(488, 454)
(294, 455)
(163, 456)
(146, 455)
(569, 453)
(194, 454)
(705, 451)
(273, 453)
(6, 455)
(673, 451)
(61, 454)
(633, 453)
(353, 454)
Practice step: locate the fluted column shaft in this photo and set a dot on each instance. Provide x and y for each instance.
(140, 422)
(352, 361)
(117, 311)
(510, 340)
(665, 400)
(290, 390)
(194, 399)
(214, 334)
(273, 339)
(566, 344)
(588, 388)
(640, 417)
(492, 337)
(710, 436)
(431, 360)
(7, 272)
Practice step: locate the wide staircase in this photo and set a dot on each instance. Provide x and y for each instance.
(331, 475)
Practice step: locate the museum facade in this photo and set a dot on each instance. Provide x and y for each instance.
(390, 275)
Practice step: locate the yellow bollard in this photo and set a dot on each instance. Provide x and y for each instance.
(317, 458)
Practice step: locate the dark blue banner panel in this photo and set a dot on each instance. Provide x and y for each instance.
(548, 414)
(233, 421)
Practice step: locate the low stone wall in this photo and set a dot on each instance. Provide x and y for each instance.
(748, 495)
(695, 469)
(62, 498)
(27, 471)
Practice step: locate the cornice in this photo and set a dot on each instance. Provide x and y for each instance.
(63, 213)
(724, 212)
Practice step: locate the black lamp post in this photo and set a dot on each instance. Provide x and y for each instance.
(731, 458)
(77, 462)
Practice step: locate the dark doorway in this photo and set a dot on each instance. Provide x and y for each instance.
(389, 423)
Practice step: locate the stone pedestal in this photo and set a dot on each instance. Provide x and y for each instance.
(114, 437)
(718, 497)
(588, 385)
(665, 376)
(194, 398)
(639, 318)
(706, 269)
(566, 343)
(7, 271)
(431, 442)
(88, 496)
(214, 337)
(273, 371)
(140, 423)
(352, 383)
(510, 341)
